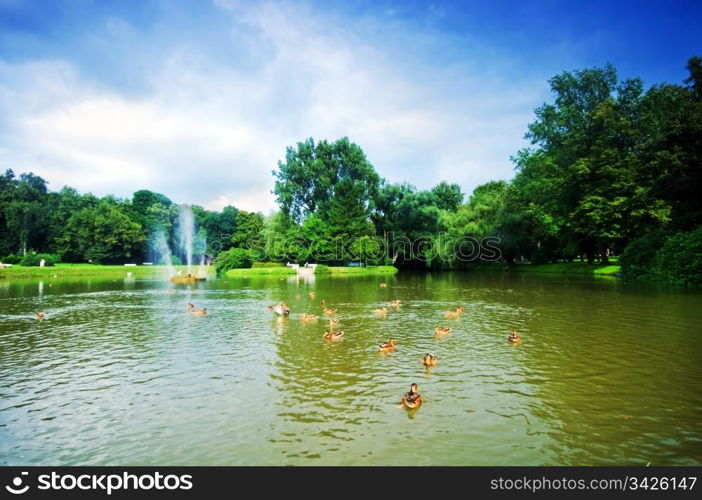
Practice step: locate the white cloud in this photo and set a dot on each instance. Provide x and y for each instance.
(210, 132)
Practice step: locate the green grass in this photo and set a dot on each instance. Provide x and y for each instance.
(368, 271)
(259, 271)
(559, 268)
(94, 270)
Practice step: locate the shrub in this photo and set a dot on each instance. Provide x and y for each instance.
(679, 261)
(639, 257)
(234, 258)
(33, 259)
(11, 259)
(267, 264)
(321, 269)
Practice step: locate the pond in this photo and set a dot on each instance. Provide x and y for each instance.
(119, 373)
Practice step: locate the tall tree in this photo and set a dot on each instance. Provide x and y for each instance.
(447, 196)
(307, 181)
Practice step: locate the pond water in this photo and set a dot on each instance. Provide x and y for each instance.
(119, 373)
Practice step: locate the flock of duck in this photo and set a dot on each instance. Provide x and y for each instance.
(411, 399)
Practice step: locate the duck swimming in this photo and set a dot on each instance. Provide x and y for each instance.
(412, 399)
(281, 309)
(329, 312)
(323, 303)
(394, 303)
(190, 306)
(514, 338)
(308, 317)
(429, 360)
(199, 312)
(333, 335)
(333, 323)
(454, 314)
(383, 311)
(40, 316)
(387, 346)
(312, 294)
(383, 285)
(442, 330)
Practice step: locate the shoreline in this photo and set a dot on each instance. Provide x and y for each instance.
(160, 271)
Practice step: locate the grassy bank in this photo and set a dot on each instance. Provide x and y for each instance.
(87, 270)
(364, 271)
(259, 271)
(559, 268)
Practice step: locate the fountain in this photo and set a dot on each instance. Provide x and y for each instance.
(160, 253)
(187, 239)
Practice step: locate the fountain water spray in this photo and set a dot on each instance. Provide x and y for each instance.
(186, 232)
(160, 252)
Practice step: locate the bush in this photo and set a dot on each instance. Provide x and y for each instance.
(267, 264)
(321, 269)
(679, 261)
(234, 258)
(11, 259)
(33, 259)
(639, 257)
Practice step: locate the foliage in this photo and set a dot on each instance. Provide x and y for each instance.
(11, 259)
(34, 259)
(639, 257)
(315, 174)
(234, 258)
(679, 261)
(321, 269)
(249, 230)
(101, 235)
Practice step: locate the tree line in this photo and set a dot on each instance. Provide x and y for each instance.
(613, 169)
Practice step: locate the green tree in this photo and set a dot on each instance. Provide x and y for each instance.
(249, 230)
(103, 234)
(447, 196)
(312, 173)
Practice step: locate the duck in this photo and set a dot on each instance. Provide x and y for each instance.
(323, 303)
(312, 294)
(429, 360)
(329, 312)
(442, 330)
(199, 312)
(387, 346)
(40, 316)
(333, 335)
(383, 285)
(514, 338)
(412, 399)
(281, 309)
(394, 303)
(382, 311)
(298, 297)
(190, 306)
(308, 317)
(333, 323)
(454, 314)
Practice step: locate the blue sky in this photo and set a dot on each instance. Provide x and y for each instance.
(198, 99)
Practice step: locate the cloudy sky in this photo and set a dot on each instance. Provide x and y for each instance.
(199, 99)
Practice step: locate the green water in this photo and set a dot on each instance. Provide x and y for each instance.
(120, 374)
